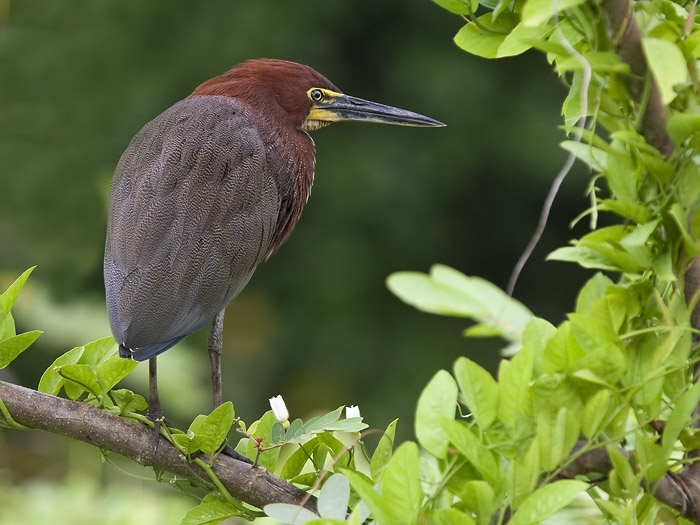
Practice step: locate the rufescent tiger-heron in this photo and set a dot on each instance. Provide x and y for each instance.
(208, 190)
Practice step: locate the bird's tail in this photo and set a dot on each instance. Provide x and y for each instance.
(147, 352)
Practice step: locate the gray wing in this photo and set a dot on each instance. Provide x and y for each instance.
(192, 209)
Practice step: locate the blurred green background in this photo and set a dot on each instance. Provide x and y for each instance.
(316, 324)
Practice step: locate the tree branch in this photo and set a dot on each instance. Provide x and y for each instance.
(627, 41)
(102, 429)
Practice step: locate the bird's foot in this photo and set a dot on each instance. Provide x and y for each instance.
(155, 414)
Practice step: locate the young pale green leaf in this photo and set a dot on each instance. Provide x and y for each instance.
(594, 157)
(11, 347)
(334, 498)
(652, 457)
(536, 12)
(591, 292)
(211, 511)
(621, 466)
(523, 474)
(563, 350)
(668, 65)
(8, 298)
(458, 7)
(289, 514)
(337, 450)
(451, 516)
(127, 401)
(557, 433)
(401, 487)
(594, 412)
(681, 417)
(438, 399)
(262, 429)
(485, 43)
(610, 310)
(295, 463)
(590, 333)
(473, 449)
(51, 382)
(629, 210)
(680, 217)
(211, 431)
(113, 370)
(585, 257)
(479, 497)
(448, 292)
(97, 352)
(683, 125)
(599, 61)
(351, 424)
(79, 378)
(514, 386)
(364, 489)
(382, 453)
(480, 391)
(547, 500)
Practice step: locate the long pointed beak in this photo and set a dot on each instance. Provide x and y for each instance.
(345, 107)
(353, 108)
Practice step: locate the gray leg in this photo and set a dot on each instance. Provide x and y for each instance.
(216, 341)
(155, 411)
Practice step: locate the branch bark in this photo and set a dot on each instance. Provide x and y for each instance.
(102, 429)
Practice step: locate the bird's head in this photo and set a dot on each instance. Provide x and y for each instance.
(308, 99)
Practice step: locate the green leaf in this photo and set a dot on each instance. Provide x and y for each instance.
(485, 43)
(680, 126)
(11, 347)
(448, 292)
(681, 417)
(211, 431)
(334, 498)
(479, 497)
(211, 511)
(127, 401)
(458, 7)
(401, 488)
(474, 450)
(298, 459)
(276, 433)
(113, 370)
(382, 453)
(51, 382)
(594, 413)
(537, 12)
(592, 291)
(523, 474)
(668, 65)
(599, 61)
(262, 429)
(514, 386)
(438, 399)
(80, 378)
(371, 497)
(557, 433)
(8, 298)
(546, 501)
(563, 350)
(291, 514)
(652, 457)
(351, 424)
(451, 516)
(479, 389)
(594, 157)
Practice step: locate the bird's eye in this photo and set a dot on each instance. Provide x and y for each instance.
(316, 95)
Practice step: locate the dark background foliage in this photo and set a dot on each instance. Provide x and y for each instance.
(79, 78)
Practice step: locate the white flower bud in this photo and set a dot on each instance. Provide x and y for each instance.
(352, 411)
(279, 409)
